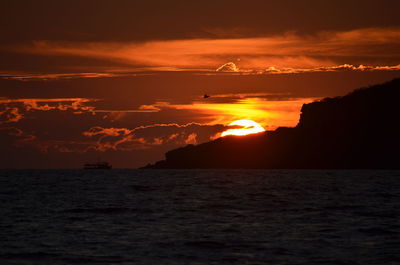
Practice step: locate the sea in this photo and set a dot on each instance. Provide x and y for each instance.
(199, 217)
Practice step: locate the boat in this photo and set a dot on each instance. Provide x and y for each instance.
(97, 165)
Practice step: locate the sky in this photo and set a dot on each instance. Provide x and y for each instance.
(123, 81)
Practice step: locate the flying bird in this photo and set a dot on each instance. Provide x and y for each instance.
(206, 96)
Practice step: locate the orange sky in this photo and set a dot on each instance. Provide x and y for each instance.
(128, 83)
(322, 51)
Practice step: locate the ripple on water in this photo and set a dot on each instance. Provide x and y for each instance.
(199, 217)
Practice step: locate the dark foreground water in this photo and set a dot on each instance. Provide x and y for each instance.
(199, 217)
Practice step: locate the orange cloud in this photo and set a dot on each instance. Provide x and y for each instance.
(145, 137)
(23, 76)
(305, 65)
(269, 112)
(106, 131)
(34, 103)
(13, 110)
(10, 114)
(21, 136)
(343, 67)
(289, 50)
(228, 67)
(192, 139)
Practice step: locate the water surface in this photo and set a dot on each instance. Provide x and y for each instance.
(199, 217)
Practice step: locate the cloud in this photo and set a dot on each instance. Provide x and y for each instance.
(20, 137)
(24, 76)
(145, 137)
(309, 65)
(106, 131)
(192, 138)
(10, 114)
(121, 139)
(289, 50)
(343, 67)
(14, 110)
(228, 67)
(240, 97)
(270, 110)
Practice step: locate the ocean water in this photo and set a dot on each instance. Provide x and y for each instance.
(199, 217)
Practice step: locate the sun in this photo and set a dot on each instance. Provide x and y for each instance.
(248, 127)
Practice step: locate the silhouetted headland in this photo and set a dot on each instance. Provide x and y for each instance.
(356, 131)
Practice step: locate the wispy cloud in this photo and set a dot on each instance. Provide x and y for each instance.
(21, 136)
(14, 110)
(145, 137)
(228, 67)
(343, 67)
(103, 139)
(26, 76)
(270, 111)
(10, 114)
(324, 51)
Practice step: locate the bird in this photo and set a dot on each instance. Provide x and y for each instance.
(206, 96)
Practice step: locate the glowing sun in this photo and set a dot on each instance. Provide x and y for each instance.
(248, 127)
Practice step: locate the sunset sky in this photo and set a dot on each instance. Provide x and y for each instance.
(123, 81)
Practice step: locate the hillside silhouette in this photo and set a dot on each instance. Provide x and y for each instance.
(356, 131)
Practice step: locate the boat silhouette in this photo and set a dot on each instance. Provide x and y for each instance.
(97, 165)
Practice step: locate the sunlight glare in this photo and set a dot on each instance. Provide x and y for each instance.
(248, 127)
